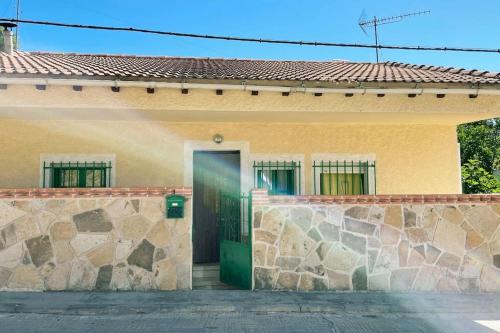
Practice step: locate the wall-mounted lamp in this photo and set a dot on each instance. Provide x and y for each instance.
(218, 138)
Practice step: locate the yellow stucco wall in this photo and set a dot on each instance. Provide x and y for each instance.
(410, 159)
(413, 139)
(61, 102)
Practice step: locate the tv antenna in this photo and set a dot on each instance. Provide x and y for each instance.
(18, 8)
(375, 22)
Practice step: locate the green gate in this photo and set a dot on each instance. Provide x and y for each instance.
(235, 240)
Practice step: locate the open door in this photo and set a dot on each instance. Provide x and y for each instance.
(220, 216)
(236, 244)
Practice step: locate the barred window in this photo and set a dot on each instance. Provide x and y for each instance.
(76, 174)
(344, 177)
(280, 178)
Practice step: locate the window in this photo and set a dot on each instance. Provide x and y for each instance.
(344, 177)
(280, 178)
(76, 174)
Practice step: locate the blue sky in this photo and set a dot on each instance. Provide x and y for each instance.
(461, 23)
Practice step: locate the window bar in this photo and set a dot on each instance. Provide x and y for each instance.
(330, 178)
(352, 177)
(363, 178)
(345, 184)
(262, 175)
(51, 183)
(264, 181)
(93, 174)
(256, 170)
(259, 180)
(337, 190)
(294, 175)
(375, 178)
(254, 175)
(108, 174)
(367, 177)
(314, 176)
(52, 173)
(43, 180)
(277, 189)
(63, 175)
(360, 178)
(299, 184)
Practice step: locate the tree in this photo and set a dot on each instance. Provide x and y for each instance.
(475, 179)
(480, 156)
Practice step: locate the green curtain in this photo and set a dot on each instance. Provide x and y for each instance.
(342, 184)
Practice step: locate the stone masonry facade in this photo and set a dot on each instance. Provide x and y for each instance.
(93, 240)
(447, 244)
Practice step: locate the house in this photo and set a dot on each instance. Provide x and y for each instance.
(74, 125)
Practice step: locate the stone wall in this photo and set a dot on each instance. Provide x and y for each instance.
(110, 239)
(415, 243)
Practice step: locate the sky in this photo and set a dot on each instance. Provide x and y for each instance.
(458, 23)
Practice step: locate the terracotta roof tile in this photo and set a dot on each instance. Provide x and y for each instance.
(96, 66)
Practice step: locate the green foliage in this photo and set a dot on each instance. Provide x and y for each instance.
(480, 155)
(475, 179)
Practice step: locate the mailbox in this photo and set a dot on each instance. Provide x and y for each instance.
(175, 206)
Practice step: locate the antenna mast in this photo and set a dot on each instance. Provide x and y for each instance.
(17, 18)
(363, 24)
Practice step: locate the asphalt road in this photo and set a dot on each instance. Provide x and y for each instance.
(241, 311)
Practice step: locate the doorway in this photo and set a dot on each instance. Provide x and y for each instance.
(215, 174)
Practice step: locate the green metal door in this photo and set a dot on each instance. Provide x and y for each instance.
(236, 244)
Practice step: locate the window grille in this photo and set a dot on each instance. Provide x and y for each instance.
(344, 177)
(76, 174)
(280, 178)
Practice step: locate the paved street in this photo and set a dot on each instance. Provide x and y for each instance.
(233, 311)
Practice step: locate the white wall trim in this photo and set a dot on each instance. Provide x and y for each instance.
(73, 158)
(370, 157)
(190, 146)
(243, 87)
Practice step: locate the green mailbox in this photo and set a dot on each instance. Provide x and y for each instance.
(175, 206)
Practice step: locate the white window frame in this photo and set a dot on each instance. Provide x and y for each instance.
(80, 158)
(316, 158)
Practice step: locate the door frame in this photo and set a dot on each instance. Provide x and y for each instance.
(246, 177)
(243, 147)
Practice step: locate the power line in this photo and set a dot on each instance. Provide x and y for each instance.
(255, 40)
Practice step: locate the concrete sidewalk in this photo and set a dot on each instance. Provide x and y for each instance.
(232, 311)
